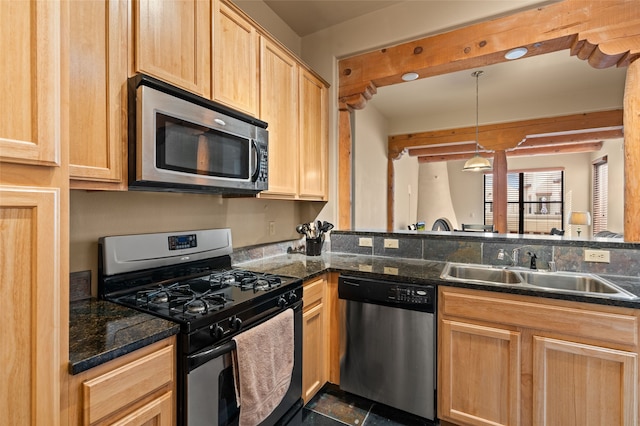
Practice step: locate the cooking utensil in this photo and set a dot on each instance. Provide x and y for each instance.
(300, 229)
(326, 226)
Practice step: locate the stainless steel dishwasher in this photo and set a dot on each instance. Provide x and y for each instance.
(388, 353)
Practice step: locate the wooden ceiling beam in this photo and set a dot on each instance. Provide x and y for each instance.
(603, 33)
(557, 149)
(577, 137)
(503, 136)
(571, 148)
(443, 150)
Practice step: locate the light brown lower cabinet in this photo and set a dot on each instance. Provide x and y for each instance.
(135, 389)
(315, 340)
(518, 360)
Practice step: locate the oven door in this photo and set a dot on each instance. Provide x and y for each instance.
(210, 396)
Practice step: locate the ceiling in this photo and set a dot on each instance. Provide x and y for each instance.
(309, 16)
(539, 86)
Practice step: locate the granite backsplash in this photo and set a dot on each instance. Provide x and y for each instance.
(568, 254)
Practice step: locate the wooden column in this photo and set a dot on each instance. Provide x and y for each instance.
(390, 193)
(500, 191)
(632, 153)
(344, 167)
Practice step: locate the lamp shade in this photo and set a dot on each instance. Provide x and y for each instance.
(580, 218)
(476, 164)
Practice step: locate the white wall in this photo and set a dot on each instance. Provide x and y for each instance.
(406, 193)
(614, 150)
(370, 186)
(434, 195)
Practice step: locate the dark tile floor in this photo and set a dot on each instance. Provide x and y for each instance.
(333, 407)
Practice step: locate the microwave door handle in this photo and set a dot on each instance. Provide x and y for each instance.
(256, 160)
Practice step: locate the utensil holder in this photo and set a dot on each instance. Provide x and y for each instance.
(314, 246)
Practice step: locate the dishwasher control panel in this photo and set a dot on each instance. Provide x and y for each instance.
(410, 295)
(417, 297)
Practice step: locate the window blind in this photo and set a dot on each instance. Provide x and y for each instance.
(600, 194)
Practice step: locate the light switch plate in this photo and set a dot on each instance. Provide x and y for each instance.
(365, 242)
(390, 243)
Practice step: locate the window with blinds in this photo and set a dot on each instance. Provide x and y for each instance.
(600, 194)
(535, 201)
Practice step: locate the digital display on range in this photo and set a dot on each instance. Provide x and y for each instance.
(179, 242)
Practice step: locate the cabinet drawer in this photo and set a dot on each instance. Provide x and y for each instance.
(313, 292)
(606, 324)
(117, 389)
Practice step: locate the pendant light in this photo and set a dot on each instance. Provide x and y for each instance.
(477, 163)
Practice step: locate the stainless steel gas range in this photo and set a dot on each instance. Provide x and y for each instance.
(186, 277)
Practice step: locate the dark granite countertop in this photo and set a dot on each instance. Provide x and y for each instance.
(100, 331)
(416, 271)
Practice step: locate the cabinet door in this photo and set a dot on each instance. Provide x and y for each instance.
(313, 353)
(479, 374)
(314, 331)
(30, 83)
(235, 60)
(30, 298)
(158, 412)
(313, 138)
(97, 93)
(173, 42)
(578, 384)
(279, 108)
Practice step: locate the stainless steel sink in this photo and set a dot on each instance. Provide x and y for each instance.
(574, 282)
(479, 273)
(559, 282)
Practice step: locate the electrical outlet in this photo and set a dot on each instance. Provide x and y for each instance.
(597, 256)
(365, 242)
(365, 268)
(390, 243)
(390, 270)
(272, 228)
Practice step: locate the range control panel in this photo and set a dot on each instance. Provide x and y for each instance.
(179, 242)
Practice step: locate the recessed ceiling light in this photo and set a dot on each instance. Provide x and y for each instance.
(410, 76)
(516, 53)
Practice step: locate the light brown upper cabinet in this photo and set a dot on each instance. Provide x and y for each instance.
(33, 214)
(279, 108)
(97, 54)
(313, 138)
(29, 115)
(293, 101)
(172, 41)
(235, 59)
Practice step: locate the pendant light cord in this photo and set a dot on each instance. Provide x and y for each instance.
(477, 75)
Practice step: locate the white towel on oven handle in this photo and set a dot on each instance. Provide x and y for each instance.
(263, 366)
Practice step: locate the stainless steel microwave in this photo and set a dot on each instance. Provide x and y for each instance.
(181, 142)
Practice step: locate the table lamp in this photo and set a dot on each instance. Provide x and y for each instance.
(580, 218)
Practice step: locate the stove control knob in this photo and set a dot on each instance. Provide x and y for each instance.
(282, 302)
(292, 297)
(217, 331)
(236, 323)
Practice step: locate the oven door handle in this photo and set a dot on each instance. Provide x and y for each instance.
(200, 358)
